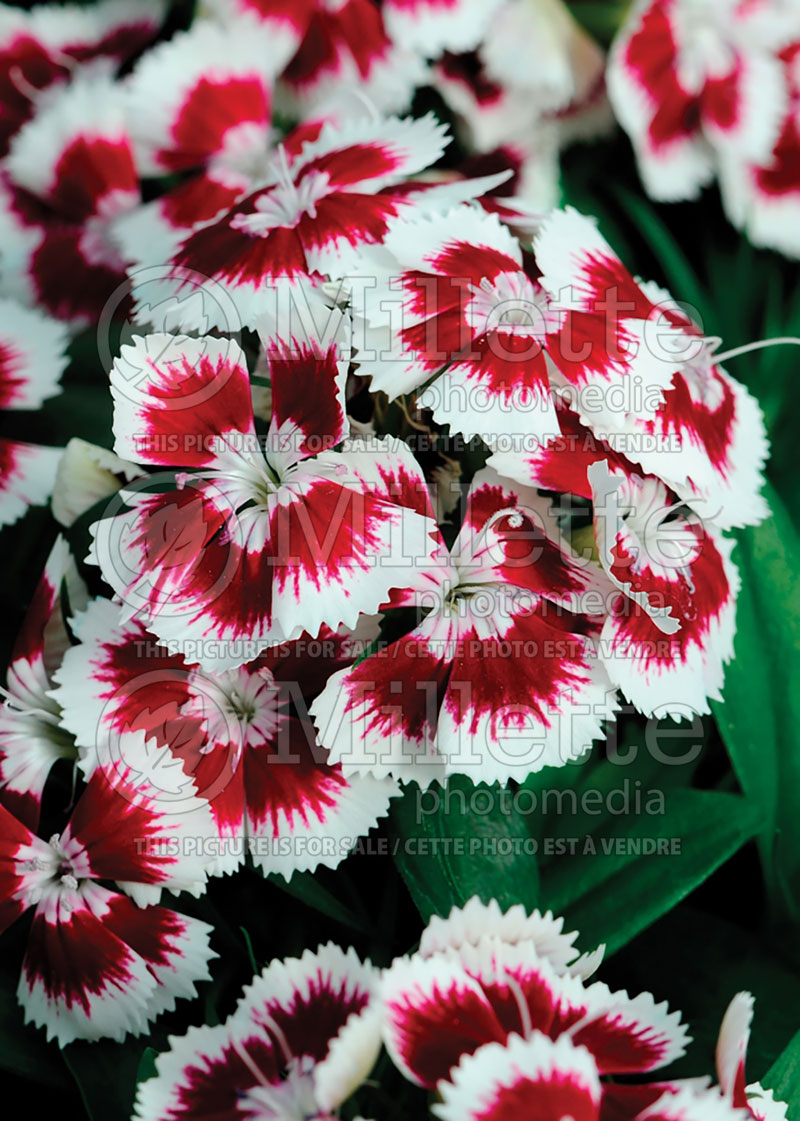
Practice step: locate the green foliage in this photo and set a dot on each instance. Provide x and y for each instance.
(783, 1078)
(449, 845)
(625, 875)
(760, 714)
(107, 1075)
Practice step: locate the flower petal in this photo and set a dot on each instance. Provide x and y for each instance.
(734, 1036)
(379, 717)
(180, 401)
(86, 475)
(32, 356)
(76, 155)
(128, 834)
(533, 1078)
(432, 26)
(309, 999)
(98, 967)
(27, 477)
(628, 1035)
(476, 919)
(301, 810)
(690, 1104)
(434, 1013)
(307, 378)
(205, 93)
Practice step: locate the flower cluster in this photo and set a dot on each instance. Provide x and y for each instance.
(494, 1012)
(712, 90)
(410, 478)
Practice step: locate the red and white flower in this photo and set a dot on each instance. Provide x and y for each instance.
(673, 410)
(496, 1006)
(304, 1035)
(459, 305)
(692, 82)
(763, 197)
(669, 633)
(567, 76)
(71, 174)
(204, 98)
(31, 737)
(315, 218)
(97, 964)
(254, 544)
(670, 624)
(734, 1036)
(501, 677)
(457, 296)
(240, 739)
(490, 114)
(346, 46)
(500, 100)
(47, 45)
(568, 62)
(32, 360)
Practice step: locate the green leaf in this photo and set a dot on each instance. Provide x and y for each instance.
(759, 717)
(147, 1065)
(611, 886)
(783, 1077)
(644, 760)
(450, 844)
(601, 18)
(308, 889)
(81, 410)
(106, 1074)
(698, 961)
(23, 1049)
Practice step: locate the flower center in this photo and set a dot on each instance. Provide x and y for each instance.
(511, 301)
(283, 205)
(236, 706)
(64, 868)
(456, 600)
(291, 1099)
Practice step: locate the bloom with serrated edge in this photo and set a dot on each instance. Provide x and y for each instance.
(32, 739)
(102, 962)
(304, 1035)
(317, 214)
(240, 739)
(508, 986)
(255, 544)
(501, 677)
